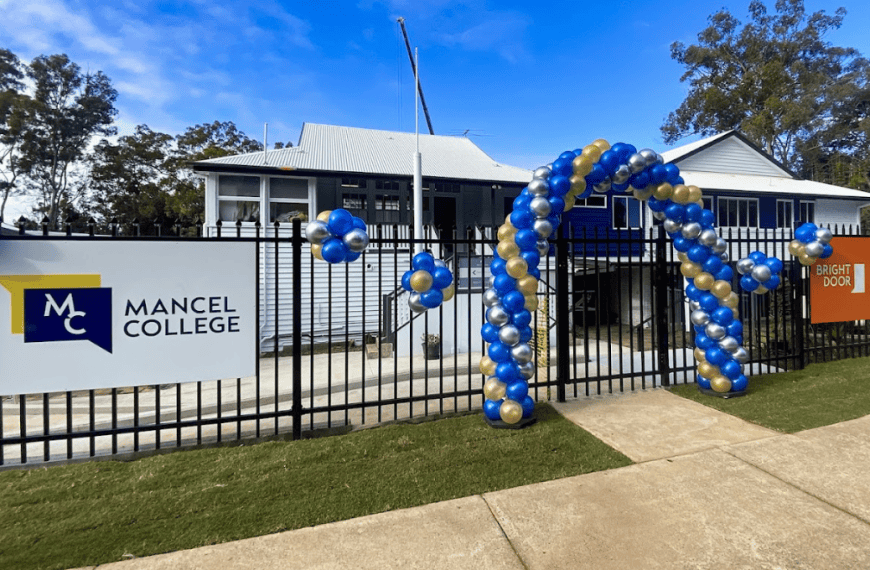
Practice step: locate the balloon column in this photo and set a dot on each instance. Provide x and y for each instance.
(430, 283)
(337, 236)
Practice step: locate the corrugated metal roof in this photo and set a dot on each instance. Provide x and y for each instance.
(774, 185)
(681, 151)
(368, 151)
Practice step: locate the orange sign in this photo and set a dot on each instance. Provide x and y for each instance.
(838, 287)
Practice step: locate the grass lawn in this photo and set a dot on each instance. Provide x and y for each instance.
(820, 395)
(94, 513)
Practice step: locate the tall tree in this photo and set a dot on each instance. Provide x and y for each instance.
(67, 109)
(774, 78)
(12, 121)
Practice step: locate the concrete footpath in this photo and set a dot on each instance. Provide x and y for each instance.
(707, 491)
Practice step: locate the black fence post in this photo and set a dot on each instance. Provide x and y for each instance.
(297, 329)
(797, 312)
(562, 315)
(660, 283)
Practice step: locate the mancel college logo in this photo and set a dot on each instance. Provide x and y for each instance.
(57, 308)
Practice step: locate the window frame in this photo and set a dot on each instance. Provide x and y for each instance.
(583, 202)
(629, 202)
(723, 209)
(270, 200)
(789, 221)
(227, 199)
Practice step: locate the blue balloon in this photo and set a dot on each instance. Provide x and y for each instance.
(517, 390)
(699, 253)
(676, 212)
(340, 222)
(657, 205)
(806, 233)
(734, 328)
(497, 266)
(441, 278)
(640, 180)
(526, 240)
(557, 204)
(683, 244)
(522, 219)
(658, 173)
(725, 274)
(513, 301)
(758, 257)
(775, 264)
(352, 256)
(535, 272)
(772, 283)
(563, 166)
(431, 298)
(499, 352)
(693, 212)
(712, 264)
(708, 219)
(508, 372)
(731, 369)
(596, 175)
(359, 224)
(526, 333)
(693, 292)
(703, 341)
(334, 250)
(620, 188)
(521, 318)
(531, 257)
(490, 409)
(709, 302)
(673, 173)
(489, 332)
(424, 261)
(559, 186)
(504, 283)
(568, 155)
(723, 315)
(739, 384)
(609, 160)
(748, 284)
(528, 407)
(522, 201)
(406, 280)
(702, 382)
(827, 252)
(715, 356)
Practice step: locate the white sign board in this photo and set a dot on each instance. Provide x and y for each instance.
(78, 315)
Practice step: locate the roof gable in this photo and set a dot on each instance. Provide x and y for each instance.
(726, 153)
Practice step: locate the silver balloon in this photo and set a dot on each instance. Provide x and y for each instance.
(671, 226)
(440, 263)
(691, 230)
(496, 315)
(622, 174)
(543, 228)
(724, 257)
(522, 353)
(603, 186)
(542, 172)
(761, 273)
(540, 206)
(700, 317)
(650, 156)
(715, 331)
(527, 370)
(509, 334)
(356, 240)
(708, 237)
(415, 304)
(721, 246)
(491, 297)
(317, 231)
(745, 265)
(815, 248)
(824, 235)
(543, 247)
(636, 162)
(694, 305)
(740, 355)
(659, 215)
(539, 187)
(729, 343)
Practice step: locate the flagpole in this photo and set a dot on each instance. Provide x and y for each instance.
(418, 162)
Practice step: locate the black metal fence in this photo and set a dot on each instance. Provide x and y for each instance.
(340, 349)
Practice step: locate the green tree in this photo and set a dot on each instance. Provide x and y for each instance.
(67, 109)
(774, 78)
(12, 121)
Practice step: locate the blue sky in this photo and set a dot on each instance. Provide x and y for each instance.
(526, 80)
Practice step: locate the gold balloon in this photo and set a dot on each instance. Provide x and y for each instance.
(806, 259)
(663, 191)
(602, 144)
(641, 194)
(681, 194)
(732, 300)
(570, 200)
(527, 285)
(487, 366)
(578, 184)
(592, 151)
(494, 389)
(700, 355)
(531, 303)
(316, 248)
(705, 369)
(517, 267)
(704, 281)
(735, 312)
(448, 292)
(683, 256)
(721, 289)
(324, 215)
(421, 281)
(720, 383)
(582, 165)
(690, 269)
(695, 194)
(796, 248)
(506, 232)
(508, 249)
(510, 411)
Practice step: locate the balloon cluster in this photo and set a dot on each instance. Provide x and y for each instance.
(760, 273)
(430, 283)
(811, 243)
(337, 236)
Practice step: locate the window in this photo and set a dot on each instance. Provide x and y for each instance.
(808, 212)
(238, 198)
(387, 202)
(353, 183)
(784, 214)
(288, 199)
(387, 185)
(353, 201)
(447, 187)
(738, 212)
(591, 202)
(626, 213)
